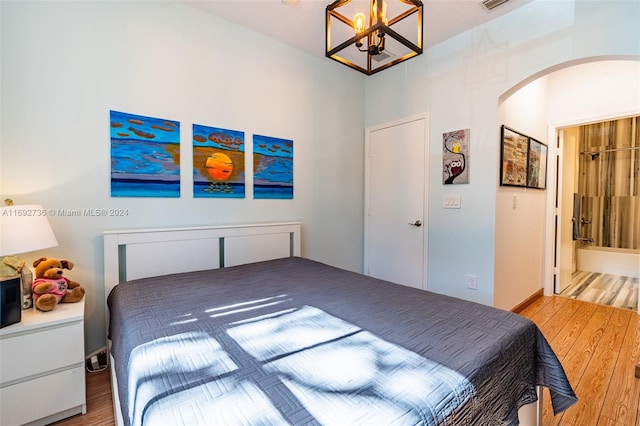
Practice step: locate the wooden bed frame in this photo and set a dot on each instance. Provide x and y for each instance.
(134, 254)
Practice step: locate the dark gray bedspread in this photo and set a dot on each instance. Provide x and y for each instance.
(293, 341)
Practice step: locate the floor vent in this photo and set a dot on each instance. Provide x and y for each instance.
(489, 5)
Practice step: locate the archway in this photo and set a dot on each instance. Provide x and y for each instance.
(571, 93)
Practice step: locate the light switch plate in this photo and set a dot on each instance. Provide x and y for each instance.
(452, 201)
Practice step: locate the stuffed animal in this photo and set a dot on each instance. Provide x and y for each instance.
(50, 287)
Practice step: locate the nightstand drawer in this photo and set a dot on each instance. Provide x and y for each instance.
(41, 351)
(28, 401)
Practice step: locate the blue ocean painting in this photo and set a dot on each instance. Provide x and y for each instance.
(218, 163)
(145, 156)
(272, 168)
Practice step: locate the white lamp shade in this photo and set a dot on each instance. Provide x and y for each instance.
(23, 229)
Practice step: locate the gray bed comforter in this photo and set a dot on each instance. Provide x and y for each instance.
(293, 341)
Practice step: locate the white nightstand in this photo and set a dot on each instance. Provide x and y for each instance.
(42, 376)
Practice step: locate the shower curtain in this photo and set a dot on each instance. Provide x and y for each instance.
(608, 183)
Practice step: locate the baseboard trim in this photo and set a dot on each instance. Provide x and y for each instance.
(528, 301)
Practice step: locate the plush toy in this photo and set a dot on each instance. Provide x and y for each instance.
(50, 287)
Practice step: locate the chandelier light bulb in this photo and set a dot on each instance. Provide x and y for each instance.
(383, 12)
(358, 23)
(358, 26)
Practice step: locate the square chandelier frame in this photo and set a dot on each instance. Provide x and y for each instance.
(384, 28)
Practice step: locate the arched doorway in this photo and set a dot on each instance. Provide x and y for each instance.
(566, 95)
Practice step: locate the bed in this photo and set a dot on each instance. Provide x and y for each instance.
(229, 325)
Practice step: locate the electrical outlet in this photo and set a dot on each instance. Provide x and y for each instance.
(472, 282)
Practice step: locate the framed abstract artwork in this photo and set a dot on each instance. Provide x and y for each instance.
(218, 163)
(455, 157)
(513, 157)
(537, 165)
(272, 168)
(145, 156)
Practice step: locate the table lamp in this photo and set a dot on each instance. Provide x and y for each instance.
(23, 229)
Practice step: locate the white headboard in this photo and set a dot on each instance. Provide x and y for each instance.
(142, 253)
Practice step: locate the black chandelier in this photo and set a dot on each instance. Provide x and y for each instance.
(374, 43)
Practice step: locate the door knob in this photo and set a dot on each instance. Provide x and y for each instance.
(416, 223)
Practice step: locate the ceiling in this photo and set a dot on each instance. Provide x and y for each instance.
(300, 23)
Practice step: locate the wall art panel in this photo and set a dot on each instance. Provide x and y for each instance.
(455, 157)
(145, 156)
(272, 168)
(218, 163)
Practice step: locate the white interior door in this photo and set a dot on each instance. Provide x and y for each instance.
(395, 201)
(566, 185)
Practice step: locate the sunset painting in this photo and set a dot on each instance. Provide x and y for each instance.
(145, 156)
(218, 163)
(272, 168)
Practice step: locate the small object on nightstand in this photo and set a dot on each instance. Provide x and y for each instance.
(638, 369)
(13, 265)
(10, 300)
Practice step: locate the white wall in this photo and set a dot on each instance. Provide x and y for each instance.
(596, 91)
(520, 212)
(65, 64)
(459, 82)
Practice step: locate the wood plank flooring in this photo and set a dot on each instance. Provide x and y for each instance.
(597, 345)
(99, 403)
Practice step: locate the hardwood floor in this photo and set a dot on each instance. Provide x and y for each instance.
(598, 346)
(99, 403)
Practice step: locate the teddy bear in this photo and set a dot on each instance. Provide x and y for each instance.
(50, 287)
